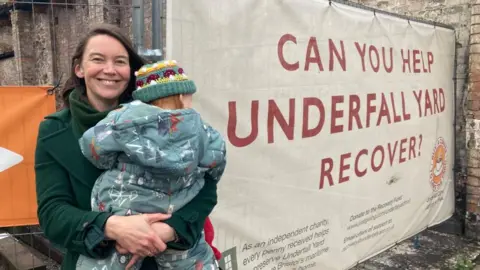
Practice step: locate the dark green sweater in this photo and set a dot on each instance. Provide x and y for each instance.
(64, 180)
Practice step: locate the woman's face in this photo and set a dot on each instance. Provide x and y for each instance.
(106, 70)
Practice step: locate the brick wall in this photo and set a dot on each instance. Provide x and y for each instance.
(473, 127)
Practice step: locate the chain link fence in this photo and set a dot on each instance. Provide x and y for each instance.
(37, 40)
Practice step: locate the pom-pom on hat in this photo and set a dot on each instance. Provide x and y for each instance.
(161, 79)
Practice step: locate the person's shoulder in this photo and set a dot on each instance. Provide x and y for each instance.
(63, 115)
(54, 122)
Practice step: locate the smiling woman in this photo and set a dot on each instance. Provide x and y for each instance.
(105, 68)
(101, 79)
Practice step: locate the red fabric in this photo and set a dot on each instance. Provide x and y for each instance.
(209, 235)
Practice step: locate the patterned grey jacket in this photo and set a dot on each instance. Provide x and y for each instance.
(169, 150)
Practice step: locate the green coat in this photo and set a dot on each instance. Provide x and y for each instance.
(64, 180)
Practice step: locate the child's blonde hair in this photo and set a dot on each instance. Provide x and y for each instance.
(171, 102)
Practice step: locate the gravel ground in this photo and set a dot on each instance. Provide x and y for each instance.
(51, 264)
(434, 251)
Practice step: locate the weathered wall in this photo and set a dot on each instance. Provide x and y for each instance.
(8, 68)
(43, 53)
(22, 33)
(6, 34)
(8, 72)
(473, 126)
(42, 46)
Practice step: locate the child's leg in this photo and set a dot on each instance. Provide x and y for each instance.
(106, 197)
(200, 257)
(113, 262)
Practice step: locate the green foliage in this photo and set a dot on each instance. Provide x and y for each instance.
(464, 263)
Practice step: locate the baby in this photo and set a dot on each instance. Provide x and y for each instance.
(156, 151)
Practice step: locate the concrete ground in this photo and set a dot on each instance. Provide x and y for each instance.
(431, 250)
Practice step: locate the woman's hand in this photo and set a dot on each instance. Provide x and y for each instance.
(163, 230)
(135, 234)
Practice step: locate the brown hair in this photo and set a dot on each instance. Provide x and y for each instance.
(135, 61)
(170, 102)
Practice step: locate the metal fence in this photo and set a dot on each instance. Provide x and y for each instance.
(27, 248)
(37, 40)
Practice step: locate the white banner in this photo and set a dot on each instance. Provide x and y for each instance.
(338, 122)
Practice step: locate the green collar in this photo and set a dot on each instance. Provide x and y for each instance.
(84, 116)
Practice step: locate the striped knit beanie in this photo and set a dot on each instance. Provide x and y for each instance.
(161, 79)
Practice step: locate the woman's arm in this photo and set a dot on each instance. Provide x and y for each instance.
(62, 222)
(82, 231)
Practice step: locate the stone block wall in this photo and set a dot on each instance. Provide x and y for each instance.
(8, 72)
(8, 68)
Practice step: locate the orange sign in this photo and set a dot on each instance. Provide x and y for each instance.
(22, 108)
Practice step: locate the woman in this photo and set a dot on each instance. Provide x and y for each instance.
(101, 78)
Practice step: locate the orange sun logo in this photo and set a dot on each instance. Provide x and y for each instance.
(438, 164)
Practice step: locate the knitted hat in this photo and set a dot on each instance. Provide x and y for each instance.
(161, 79)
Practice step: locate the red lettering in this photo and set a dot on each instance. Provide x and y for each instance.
(412, 149)
(354, 108)
(281, 44)
(326, 172)
(359, 173)
(442, 99)
(375, 66)
(401, 158)
(435, 102)
(334, 128)
(374, 162)
(428, 104)
(370, 108)
(383, 111)
(388, 69)
(380, 149)
(396, 118)
(340, 58)
(418, 98)
(416, 61)
(344, 167)
(232, 125)
(391, 153)
(425, 70)
(307, 102)
(406, 61)
(274, 113)
(361, 51)
(313, 47)
(430, 61)
(406, 115)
